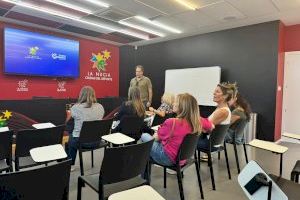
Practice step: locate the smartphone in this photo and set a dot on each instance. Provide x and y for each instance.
(252, 186)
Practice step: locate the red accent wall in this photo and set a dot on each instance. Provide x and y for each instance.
(280, 77)
(105, 83)
(292, 38)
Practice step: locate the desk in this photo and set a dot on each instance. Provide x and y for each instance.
(48, 153)
(140, 193)
(117, 138)
(290, 188)
(249, 171)
(270, 146)
(292, 135)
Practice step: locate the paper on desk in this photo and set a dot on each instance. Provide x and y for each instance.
(4, 129)
(43, 125)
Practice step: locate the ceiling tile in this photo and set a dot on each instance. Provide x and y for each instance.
(134, 7)
(221, 11)
(168, 7)
(284, 5)
(32, 19)
(253, 8)
(80, 30)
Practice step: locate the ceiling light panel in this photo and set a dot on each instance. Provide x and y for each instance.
(158, 24)
(97, 3)
(72, 6)
(132, 25)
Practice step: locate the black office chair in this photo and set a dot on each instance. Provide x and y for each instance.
(32, 138)
(47, 183)
(186, 152)
(216, 144)
(121, 170)
(239, 133)
(158, 120)
(132, 126)
(6, 151)
(91, 132)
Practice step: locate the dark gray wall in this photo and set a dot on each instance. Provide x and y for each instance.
(247, 55)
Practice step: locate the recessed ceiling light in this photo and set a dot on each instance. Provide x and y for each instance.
(61, 3)
(99, 3)
(157, 24)
(76, 18)
(141, 28)
(186, 4)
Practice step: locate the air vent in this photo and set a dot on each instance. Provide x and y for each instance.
(114, 14)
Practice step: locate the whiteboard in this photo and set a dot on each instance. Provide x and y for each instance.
(199, 82)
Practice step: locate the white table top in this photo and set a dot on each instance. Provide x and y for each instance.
(48, 153)
(155, 128)
(249, 171)
(269, 146)
(292, 135)
(43, 125)
(117, 138)
(4, 129)
(140, 193)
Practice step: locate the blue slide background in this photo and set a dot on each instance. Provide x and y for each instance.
(18, 60)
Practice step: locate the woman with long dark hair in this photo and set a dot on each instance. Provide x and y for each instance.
(241, 111)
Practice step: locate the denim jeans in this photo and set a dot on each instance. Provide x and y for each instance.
(157, 152)
(229, 137)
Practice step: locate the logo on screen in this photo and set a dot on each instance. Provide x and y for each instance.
(61, 86)
(100, 60)
(32, 54)
(33, 50)
(56, 56)
(22, 86)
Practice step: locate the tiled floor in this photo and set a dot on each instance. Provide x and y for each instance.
(225, 188)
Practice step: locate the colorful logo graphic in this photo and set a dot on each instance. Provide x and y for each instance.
(4, 117)
(33, 50)
(100, 60)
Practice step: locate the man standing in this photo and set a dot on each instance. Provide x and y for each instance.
(144, 84)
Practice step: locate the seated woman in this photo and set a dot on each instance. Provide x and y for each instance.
(172, 132)
(166, 106)
(133, 107)
(86, 109)
(241, 111)
(222, 115)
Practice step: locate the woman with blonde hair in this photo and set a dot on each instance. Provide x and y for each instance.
(222, 95)
(172, 132)
(167, 101)
(133, 107)
(86, 109)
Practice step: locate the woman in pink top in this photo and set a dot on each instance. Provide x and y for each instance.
(172, 132)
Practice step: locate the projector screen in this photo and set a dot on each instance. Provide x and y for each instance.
(35, 54)
(199, 82)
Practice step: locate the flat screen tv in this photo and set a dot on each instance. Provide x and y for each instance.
(36, 54)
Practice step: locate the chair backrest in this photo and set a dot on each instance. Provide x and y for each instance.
(188, 147)
(131, 126)
(123, 163)
(5, 144)
(239, 129)
(32, 138)
(47, 183)
(91, 131)
(158, 120)
(217, 136)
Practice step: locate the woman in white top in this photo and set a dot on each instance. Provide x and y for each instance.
(222, 115)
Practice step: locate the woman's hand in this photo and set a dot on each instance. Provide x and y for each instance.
(151, 109)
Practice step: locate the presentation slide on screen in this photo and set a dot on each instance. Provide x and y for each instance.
(33, 53)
